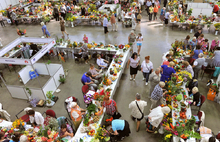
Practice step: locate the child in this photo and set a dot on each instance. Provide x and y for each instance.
(155, 12)
(85, 39)
(151, 10)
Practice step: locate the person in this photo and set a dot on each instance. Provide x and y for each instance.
(1, 20)
(44, 30)
(188, 67)
(196, 96)
(167, 14)
(131, 40)
(26, 51)
(85, 39)
(153, 1)
(215, 44)
(23, 138)
(167, 72)
(65, 131)
(139, 40)
(14, 17)
(94, 71)
(162, 14)
(151, 11)
(83, 10)
(196, 53)
(215, 8)
(217, 19)
(74, 2)
(180, 12)
(198, 33)
(15, 137)
(156, 116)
(155, 12)
(34, 48)
(157, 94)
(192, 43)
(197, 65)
(123, 15)
(193, 83)
(105, 24)
(56, 13)
(148, 4)
(168, 61)
(200, 39)
(186, 42)
(166, 56)
(120, 128)
(134, 61)
(87, 80)
(36, 118)
(205, 45)
(2, 137)
(76, 114)
(164, 3)
(137, 110)
(216, 57)
(154, 79)
(68, 9)
(84, 52)
(110, 105)
(101, 62)
(8, 13)
(62, 27)
(146, 68)
(113, 22)
(139, 17)
(63, 11)
(133, 20)
(209, 139)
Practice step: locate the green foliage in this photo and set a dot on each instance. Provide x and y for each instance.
(62, 79)
(49, 95)
(190, 11)
(91, 108)
(29, 91)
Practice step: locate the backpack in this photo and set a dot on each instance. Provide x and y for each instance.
(139, 16)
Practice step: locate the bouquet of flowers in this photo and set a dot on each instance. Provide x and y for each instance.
(121, 46)
(88, 98)
(217, 26)
(74, 44)
(19, 124)
(102, 134)
(185, 75)
(21, 32)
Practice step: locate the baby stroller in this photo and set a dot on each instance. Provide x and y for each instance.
(67, 102)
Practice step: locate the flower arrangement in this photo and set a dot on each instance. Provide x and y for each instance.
(121, 46)
(102, 134)
(74, 44)
(185, 75)
(217, 26)
(88, 98)
(21, 32)
(18, 124)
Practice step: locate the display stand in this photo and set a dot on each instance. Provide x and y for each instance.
(53, 70)
(112, 7)
(200, 8)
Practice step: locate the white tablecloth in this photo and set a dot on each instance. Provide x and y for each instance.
(6, 124)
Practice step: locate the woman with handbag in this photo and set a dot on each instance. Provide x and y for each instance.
(137, 109)
(111, 107)
(146, 68)
(134, 62)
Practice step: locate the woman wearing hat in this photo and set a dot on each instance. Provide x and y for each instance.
(146, 68)
(155, 117)
(76, 114)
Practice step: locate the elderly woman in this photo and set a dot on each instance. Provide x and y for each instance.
(188, 67)
(196, 96)
(215, 44)
(200, 39)
(101, 62)
(162, 14)
(131, 40)
(197, 65)
(95, 72)
(44, 30)
(186, 42)
(154, 80)
(167, 72)
(195, 54)
(63, 11)
(216, 57)
(76, 114)
(111, 106)
(36, 118)
(113, 22)
(155, 117)
(134, 61)
(84, 52)
(192, 43)
(120, 128)
(23, 138)
(146, 68)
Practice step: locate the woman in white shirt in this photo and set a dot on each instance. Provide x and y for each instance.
(146, 68)
(101, 62)
(139, 42)
(36, 118)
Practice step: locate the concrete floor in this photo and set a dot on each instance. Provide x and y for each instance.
(157, 40)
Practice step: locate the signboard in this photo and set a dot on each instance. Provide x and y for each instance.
(15, 61)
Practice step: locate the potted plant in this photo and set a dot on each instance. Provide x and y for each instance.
(62, 79)
(49, 101)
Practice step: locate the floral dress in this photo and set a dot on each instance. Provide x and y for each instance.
(110, 108)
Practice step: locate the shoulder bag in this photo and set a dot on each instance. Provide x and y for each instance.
(148, 68)
(140, 110)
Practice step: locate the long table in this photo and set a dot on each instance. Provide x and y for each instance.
(188, 114)
(113, 86)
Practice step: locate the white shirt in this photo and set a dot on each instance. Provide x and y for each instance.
(38, 118)
(133, 16)
(167, 15)
(139, 39)
(101, 62)
(146, 67)
(134, 109)
(156, 116)
(190, 70)
(164, 57)
(195, 63)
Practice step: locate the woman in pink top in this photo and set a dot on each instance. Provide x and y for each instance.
(214, 44)
(85, 39)
(200, 39)
(113, 22)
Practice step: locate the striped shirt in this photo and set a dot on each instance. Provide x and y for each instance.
(157, 93)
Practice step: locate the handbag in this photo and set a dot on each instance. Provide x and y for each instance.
(140, 110)
(148, 68)
(139, 67)
(116, 115)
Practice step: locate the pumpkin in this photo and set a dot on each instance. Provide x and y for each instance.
(99, 112)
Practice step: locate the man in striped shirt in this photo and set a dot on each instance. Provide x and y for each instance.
(157, 94)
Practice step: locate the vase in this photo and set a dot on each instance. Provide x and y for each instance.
(216, 32)
(191, 30)
(72, 24)
(161, 130)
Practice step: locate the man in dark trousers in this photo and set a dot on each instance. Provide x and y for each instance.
(56, 13)
(8, 13)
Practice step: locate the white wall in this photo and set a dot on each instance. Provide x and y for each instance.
(5, 3)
